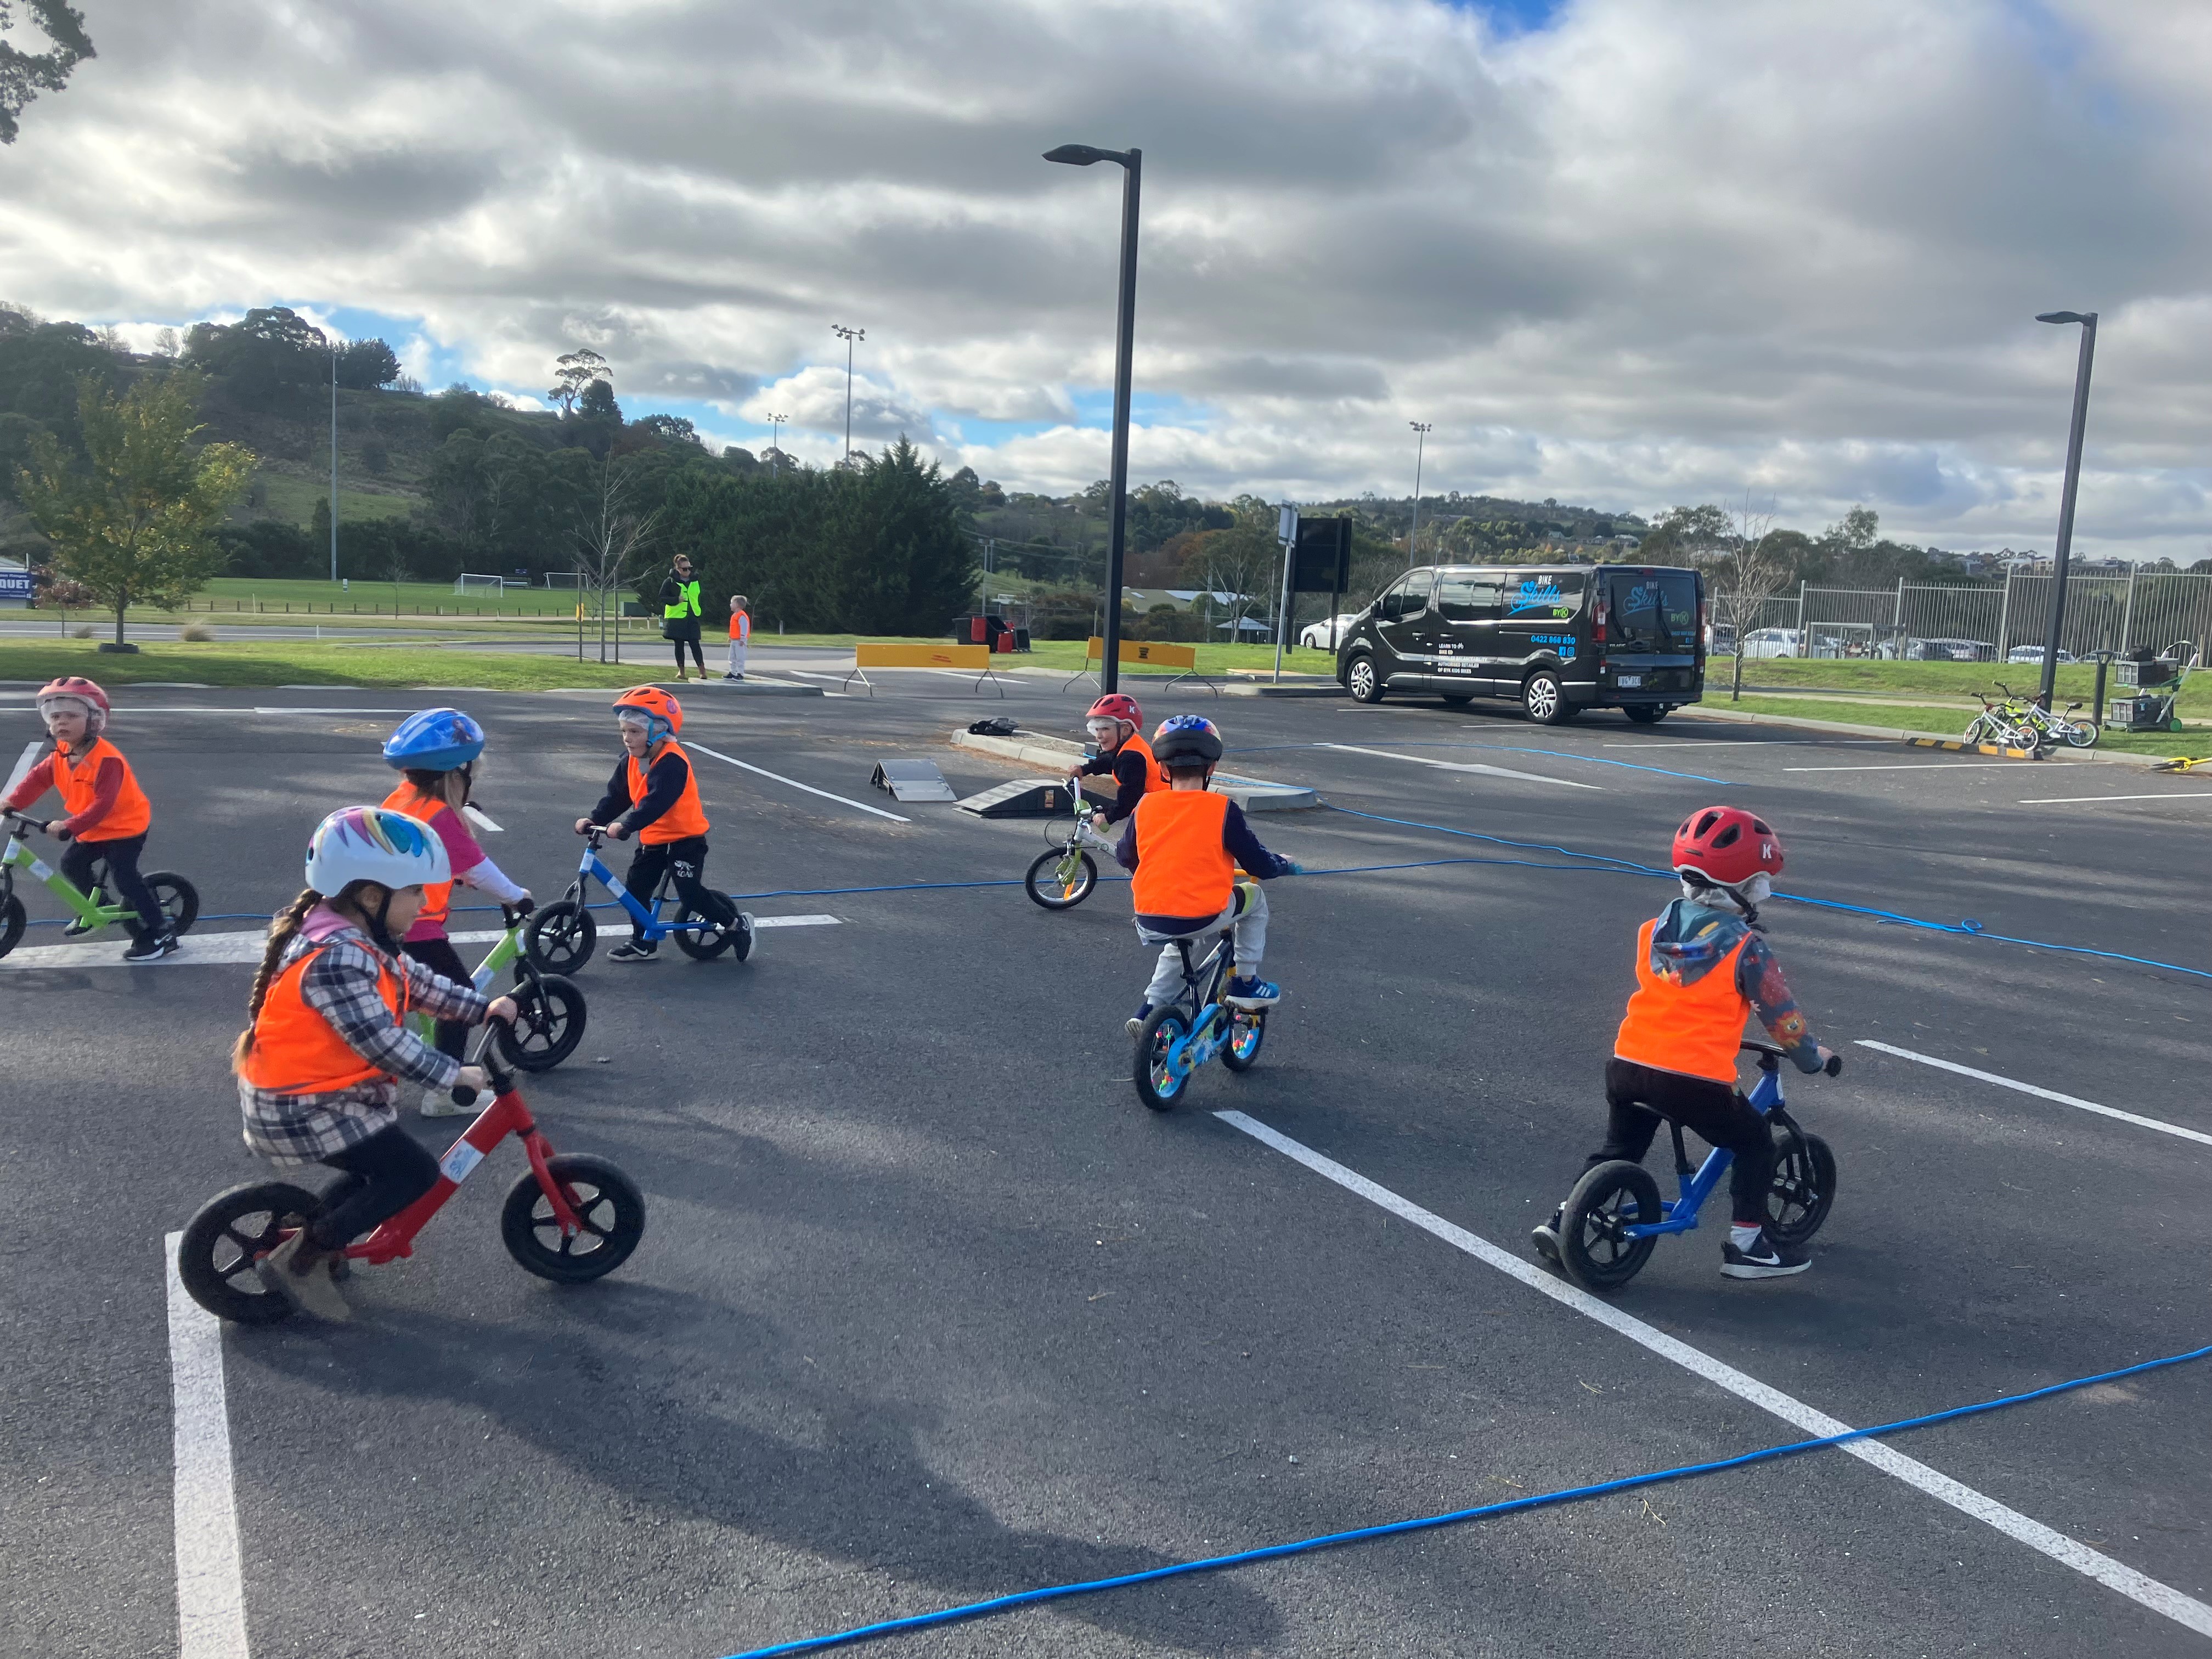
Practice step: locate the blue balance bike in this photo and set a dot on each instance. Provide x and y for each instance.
(1615, 1216)
(561, 937)
(1175, 1041)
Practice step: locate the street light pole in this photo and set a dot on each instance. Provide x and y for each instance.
(849, 335)
(775, 432)
(334, 457)
(1421, 430)
(1125, 334)
(2089, 321)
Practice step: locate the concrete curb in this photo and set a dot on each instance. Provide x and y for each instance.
(1902, 734)
(1056, 755)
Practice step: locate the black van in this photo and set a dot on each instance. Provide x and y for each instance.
(1560, 638)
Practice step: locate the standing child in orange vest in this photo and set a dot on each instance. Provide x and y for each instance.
(108, 812)
(1183, 846)
(1702, 968)
(326, 1045)
(654, 796)
(741, 633)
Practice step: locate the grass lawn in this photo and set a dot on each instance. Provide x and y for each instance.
(294, 499)
(244, 593)
(1935, 722)
(305, 663)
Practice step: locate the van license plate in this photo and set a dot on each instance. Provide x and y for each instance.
(1629, 681)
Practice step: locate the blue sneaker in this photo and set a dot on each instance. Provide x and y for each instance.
(1244, 993)
(1137, 1020)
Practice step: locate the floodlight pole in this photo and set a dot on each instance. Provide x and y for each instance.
(2080, 421)
(1421, 430)
(775, 428)
(849, 335)
(1125, 334)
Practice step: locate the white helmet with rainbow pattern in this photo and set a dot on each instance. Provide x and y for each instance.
(372, 843)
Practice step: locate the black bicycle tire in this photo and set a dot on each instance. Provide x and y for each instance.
(700, 945)
(1820, 1161)
(210, 1286)
(12, 923)
(520, 1225)
(1606, 1181)
(559, 913)
(1141, 1071)
(1257, 1018)
(1052, 856)
(188, 900)
(550, 990)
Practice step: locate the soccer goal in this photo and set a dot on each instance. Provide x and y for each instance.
(468, 584)
(571, 578)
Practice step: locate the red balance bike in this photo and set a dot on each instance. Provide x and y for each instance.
(572, 1218)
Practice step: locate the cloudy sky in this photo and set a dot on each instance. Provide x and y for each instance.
(1627, 252)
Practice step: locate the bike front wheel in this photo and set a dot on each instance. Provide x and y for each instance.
(1594, 1247)
(1158, 1084)
(549, 1015)
(1804, 1188)
(561, 937)
(222, 1246)
(607, 1202)
(11, 923)
(1059, 878)
(1248, 1029)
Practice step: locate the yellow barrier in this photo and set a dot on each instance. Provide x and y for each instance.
(1184, 657)
(964, 657)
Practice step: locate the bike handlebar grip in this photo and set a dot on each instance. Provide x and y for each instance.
(1835, 1065)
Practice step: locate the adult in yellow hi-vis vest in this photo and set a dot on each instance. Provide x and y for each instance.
(680, 612)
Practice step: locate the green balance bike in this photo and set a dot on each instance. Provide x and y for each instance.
(178, 899)
(550, 1009)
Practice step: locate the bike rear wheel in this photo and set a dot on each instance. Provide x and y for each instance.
(1059, 879)
(605, 1200)
(232, 1231)
(699, 938)
(549, 1016)
(1804, 1188)
(2081, 734)
(1248, 1029)
(1605, 1202)
(178, 900)
(11, 923)
(561, 937)
(1157, 1085)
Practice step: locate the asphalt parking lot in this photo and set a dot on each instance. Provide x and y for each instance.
(930, 1309)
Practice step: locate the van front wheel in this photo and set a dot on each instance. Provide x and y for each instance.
(1363, 682)
(1546, 699)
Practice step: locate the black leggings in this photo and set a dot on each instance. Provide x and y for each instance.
(439, 956)
(124, 885)
(382, 1176)
(1637, 1097)
(687, 859)
(691, 639)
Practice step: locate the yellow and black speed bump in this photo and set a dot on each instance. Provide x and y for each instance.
(1975, 748)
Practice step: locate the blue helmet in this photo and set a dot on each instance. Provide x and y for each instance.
(1186, 738)
(435, 740)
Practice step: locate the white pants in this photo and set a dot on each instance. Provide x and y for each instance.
(738, 658)
(1246, 914)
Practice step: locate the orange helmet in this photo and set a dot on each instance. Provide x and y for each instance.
(664, 715)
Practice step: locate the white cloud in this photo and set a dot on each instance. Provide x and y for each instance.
(1664, 251)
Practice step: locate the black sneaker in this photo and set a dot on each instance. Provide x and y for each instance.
(151, 947)
(630, 950)
(1764, 1259)
(1546, 1237)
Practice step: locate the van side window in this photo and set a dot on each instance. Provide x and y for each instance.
(1409, 599)
(1463, 596)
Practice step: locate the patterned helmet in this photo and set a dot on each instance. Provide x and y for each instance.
(74, 689)
(1186, 737)
(662, 714)
(370, 843)
(435, 740)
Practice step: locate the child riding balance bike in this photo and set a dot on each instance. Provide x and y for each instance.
(1703, 966)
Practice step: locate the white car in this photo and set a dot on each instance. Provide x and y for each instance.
(1314, 636)
(2034, 654)
(1774, 642)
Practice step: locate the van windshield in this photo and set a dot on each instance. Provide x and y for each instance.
(1655, 610)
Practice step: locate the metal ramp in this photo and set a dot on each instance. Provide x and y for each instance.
(1025, 797)
(913, 780)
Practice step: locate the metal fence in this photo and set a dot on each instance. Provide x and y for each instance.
(1982, 623)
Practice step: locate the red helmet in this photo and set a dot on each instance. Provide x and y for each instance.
(77, 689)
(1116, 706)
(657, 706)
(1727, 844)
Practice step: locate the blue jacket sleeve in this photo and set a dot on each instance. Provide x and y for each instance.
(618, 795)
(1244, 846)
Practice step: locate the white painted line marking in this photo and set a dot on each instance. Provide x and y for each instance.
(799, 921)
(2071, 800)
(1462, 766)
(481, 822)
(23, 765)
(228, 950)
(2039, 1093)
(2113, 1574)
(211, 1590)
(1908, 766)
(840, 799)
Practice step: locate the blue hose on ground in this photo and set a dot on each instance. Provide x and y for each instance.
(1455, 1518)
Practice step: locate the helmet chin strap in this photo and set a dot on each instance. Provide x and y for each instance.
(379, 929)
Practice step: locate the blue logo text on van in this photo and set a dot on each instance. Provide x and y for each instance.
(1536, 595)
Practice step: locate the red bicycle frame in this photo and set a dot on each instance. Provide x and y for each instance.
(506, 1114)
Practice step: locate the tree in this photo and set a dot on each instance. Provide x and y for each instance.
(367, 365)
(1244, 562)
(898, 562)
(574, 371)
(669, 429)
(1687, 534)
(1749, 574)
(133, 523)
(611, 536)
(272, 353)
(25, 75)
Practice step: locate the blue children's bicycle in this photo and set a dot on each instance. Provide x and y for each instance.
(561, 936)
(1177, 1039)
(1615, 1217)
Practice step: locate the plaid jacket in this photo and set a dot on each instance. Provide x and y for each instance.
(340, 985)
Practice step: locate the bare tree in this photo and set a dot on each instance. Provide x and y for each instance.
(611, 538)
(1244, 563)
(1748, 573)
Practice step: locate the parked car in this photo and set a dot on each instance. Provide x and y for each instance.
(1318, 636)
(1774, 642)
(1951, 651)
(1557, 639)
(2034, 654)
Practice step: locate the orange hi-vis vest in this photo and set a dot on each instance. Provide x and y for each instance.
(741, 626)
(1694, 1029)
(437, 895)
(1182, 868)
(78, 786)
(680, 822)
(295, 1051)
(1155, 780)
